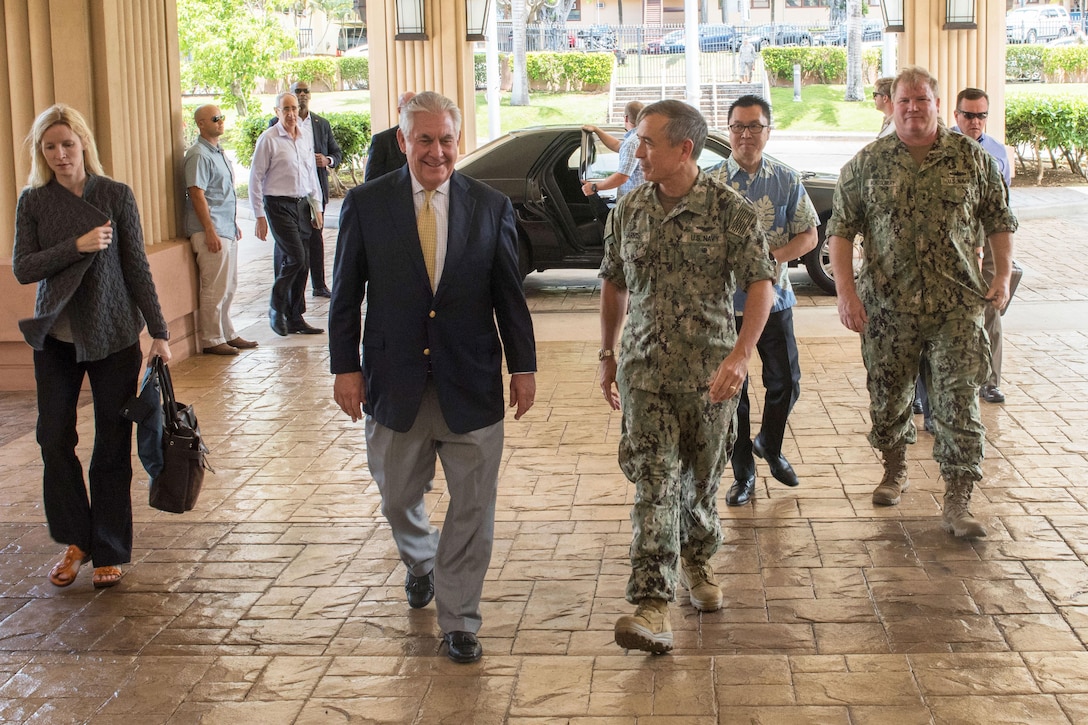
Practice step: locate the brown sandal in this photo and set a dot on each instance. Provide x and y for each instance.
(65, 570)
(106, 576)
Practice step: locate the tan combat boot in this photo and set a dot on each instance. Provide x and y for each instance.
(957, 520)
(648, 629)
(706, 595)
(895, 480)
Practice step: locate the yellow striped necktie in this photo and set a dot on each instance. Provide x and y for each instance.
(428, 234)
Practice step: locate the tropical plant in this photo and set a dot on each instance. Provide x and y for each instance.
(226, 45)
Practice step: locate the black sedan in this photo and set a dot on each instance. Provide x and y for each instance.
(712, 38)
(541, 169)
(780, 34)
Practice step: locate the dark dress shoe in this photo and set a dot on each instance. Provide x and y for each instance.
(301, 327)
(278, 323)
(991, 394)
(927, 423)
(780, 467)
(322, 292)
(463, 647)
(741, 492)
(917, 407)
(420, 589)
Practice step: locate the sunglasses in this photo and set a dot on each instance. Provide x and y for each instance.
(973, 116)
(875, 94)
(217, 119)
(303, 90)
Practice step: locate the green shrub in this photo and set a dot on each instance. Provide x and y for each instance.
(1057, 126)
(573, 70)
(479, 69)
(1068, 63)
(354, 71)
(1023, 62)
(818, 65)
(247, 132)
(314, 68)
(189, 130)
(351, 129)
(591, 69)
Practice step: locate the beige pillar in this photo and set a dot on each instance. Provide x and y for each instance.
(442, 63)
(959, 58)
(117, 62)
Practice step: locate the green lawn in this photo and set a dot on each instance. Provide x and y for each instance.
(822, 108)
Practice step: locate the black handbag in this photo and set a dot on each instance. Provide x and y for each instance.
(178, 475)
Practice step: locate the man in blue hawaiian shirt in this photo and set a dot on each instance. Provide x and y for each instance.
(789, 222)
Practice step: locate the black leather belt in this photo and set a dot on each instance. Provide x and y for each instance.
(287, 199)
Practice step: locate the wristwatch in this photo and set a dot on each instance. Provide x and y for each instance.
(605, 352)
(593, 188)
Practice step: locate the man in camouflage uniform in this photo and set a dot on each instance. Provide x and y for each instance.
(673, 248)
(921, 198)
(788, 218)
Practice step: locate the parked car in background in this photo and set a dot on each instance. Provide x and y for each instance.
(871, 31)
(595, 37)
(712, 38)
(541, 170)
(779, 34)
(1030, 25)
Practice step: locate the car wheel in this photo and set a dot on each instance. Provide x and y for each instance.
(1031, 37)
(806, 41)
(818, 262)
(1062, 33)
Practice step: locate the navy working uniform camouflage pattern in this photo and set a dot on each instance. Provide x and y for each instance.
(921, 285)
(680, 269)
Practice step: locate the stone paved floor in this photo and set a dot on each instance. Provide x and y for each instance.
(279, 600)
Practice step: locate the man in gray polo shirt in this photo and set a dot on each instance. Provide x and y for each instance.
(210, 221)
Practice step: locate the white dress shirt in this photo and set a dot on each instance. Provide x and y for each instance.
(282, 166)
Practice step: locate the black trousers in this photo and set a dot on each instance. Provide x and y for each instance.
(777, 348)
(316, 252)
(289, 221)
(100, 525)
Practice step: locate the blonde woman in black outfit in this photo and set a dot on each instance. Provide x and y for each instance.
(78, 236)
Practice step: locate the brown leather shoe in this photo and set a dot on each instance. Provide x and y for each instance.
(221, 349)
(242, 344)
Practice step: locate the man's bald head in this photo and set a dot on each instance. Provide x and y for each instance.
(210, 122)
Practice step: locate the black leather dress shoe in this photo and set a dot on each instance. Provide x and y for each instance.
(780, 467)
(322, 292)
(277, 322)
(741, 492)
(301, 327)
(420, 589)
(917, 407)
(463, 647)
(991, 394)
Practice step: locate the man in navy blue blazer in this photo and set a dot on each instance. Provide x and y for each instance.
(429, 378)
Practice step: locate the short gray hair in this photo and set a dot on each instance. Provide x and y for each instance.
(429, 102)
(685, 122)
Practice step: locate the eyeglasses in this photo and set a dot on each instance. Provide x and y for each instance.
(217, 119)
(753, 128)
(973, 116)
(875, 94)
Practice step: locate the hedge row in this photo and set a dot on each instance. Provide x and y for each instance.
(557, 71)
(1057, 127)
(352, 70)
(825, 64)
(1060, 64)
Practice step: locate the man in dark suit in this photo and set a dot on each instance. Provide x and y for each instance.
(327, 155)
(385, 154)
(434, 253)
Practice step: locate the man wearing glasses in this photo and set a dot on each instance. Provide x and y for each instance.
(882, 99)
(211, 210)
(327, 155)
(972, 109)
(789, 221)
(286, 199)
